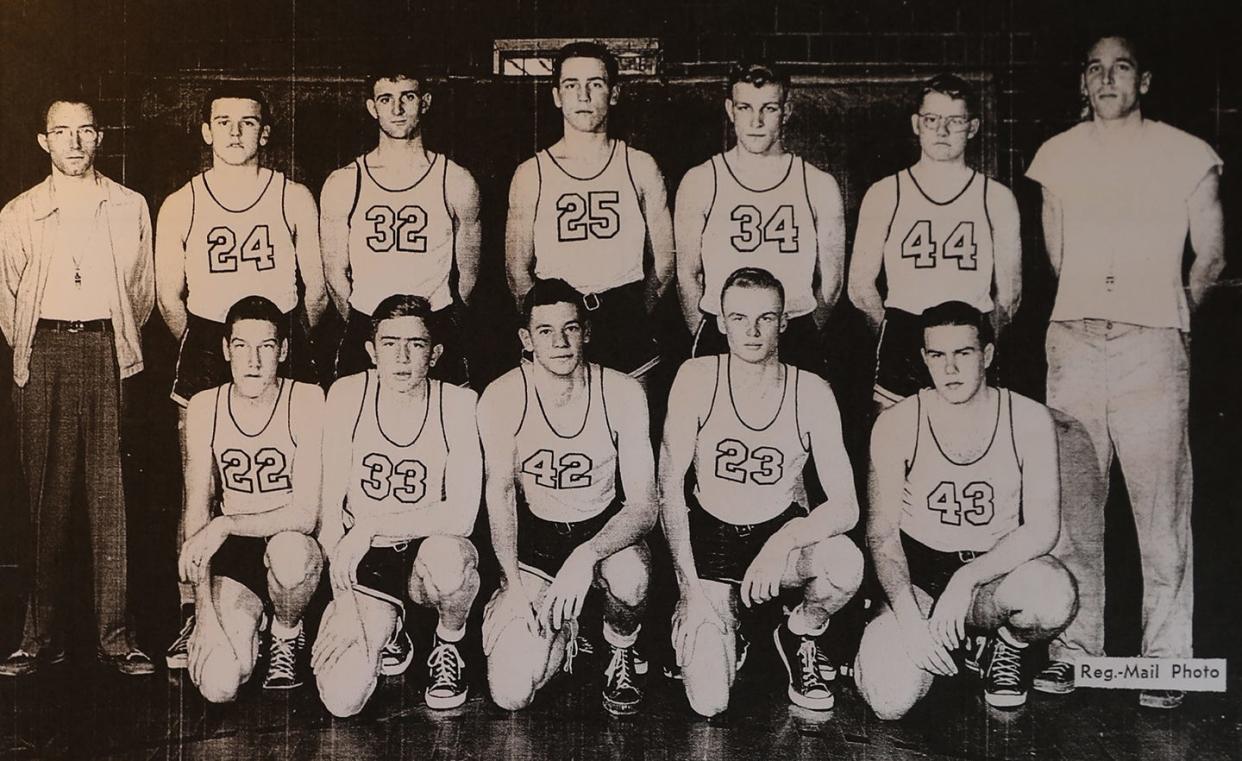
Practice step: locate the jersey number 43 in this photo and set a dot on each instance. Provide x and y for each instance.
(977, 503)
(960, 246)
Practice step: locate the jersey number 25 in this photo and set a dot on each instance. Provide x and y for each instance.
(595, 216)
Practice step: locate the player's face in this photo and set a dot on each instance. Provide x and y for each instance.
(397, 105)
(556, 337)
(943, 127)
(758, 115)
(584, 94)
(71, 138)
(254, 352)
(753, 319)
(956, 361)
(1111, 79)
(403, 352)
(236, 130)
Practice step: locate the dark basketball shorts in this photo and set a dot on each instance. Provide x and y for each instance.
(930, 570)
(544, 546)
(899, 367)
(240, 558)
(445, 327)
(384, 573)
(723, 551)
(201, 364)
(621, 331)
(801, 344)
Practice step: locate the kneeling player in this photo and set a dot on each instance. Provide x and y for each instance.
(965, 507)
(256, 440)
(557, 431)
(747, 422)
(402, 481)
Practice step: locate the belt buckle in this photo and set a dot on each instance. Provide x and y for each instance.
(745, 530)
(966, 555)
(591, 302)
(75, 326)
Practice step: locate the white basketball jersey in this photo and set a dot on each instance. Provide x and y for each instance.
(773, 228)
(255, 469)
(589, 231)
(749, 471)
(936, 252)
(401, 240)
(951, 506)
(388, 475)
(233, 253)
(567, 476)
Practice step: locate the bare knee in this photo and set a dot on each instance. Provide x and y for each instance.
(222, 676)
(839, 562)
(1043, 595)
(292, 559)
(706, 677)
(889, 682)
(625, 575)
(345, 688)
(445, 563)
(516, 667)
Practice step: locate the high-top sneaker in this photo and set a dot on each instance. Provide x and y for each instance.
(446, 673)
(801, 658)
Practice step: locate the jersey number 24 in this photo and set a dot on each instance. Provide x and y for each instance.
(223, 252)
(922, 248)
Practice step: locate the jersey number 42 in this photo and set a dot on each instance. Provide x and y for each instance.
(571, 471)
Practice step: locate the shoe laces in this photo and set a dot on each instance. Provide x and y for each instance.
(1005, 668)
(187, 629)
(445, 664)
(808, 655)
(284, 654)
(1060, 669)
(573, 646)
(621, 668)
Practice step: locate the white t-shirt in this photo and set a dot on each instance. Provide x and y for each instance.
(1125, 219)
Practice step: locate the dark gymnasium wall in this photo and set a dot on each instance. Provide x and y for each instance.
(854, 62)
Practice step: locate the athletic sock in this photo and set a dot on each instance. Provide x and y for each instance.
(798, 624)
(280, 631)
(185, 594)
(619, 640)
(1004, 633)
(450, 635)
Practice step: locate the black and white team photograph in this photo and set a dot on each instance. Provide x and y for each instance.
(723, 379)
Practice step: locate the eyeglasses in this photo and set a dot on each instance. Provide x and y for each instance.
(954, 123)
(85, 134)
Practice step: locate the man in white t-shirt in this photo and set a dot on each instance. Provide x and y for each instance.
(1121, 193)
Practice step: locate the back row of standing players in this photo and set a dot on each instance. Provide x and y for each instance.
(589, 250)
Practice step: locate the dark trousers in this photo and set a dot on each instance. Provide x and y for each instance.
(71, 404)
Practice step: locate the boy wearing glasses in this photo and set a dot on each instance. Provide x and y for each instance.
(941, 231)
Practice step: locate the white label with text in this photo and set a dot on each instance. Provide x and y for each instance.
(1188, 674)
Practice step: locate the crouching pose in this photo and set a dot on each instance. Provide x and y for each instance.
(402, 481)
(254, 444)
(747, 423)
(557, 431)
(965, 506)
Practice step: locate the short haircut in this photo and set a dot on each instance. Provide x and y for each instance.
(65, 95)
(550, 291)
(757, 74)
(585, 50)
(241, 91)
(958, 313)
(393, 72)
(752, 277)
(402, 305)
(1138, 47)
(256, 308)
(952, 86)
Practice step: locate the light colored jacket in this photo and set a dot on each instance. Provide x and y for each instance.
(29, 226)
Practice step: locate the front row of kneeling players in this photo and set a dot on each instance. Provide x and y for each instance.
(964, 492)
